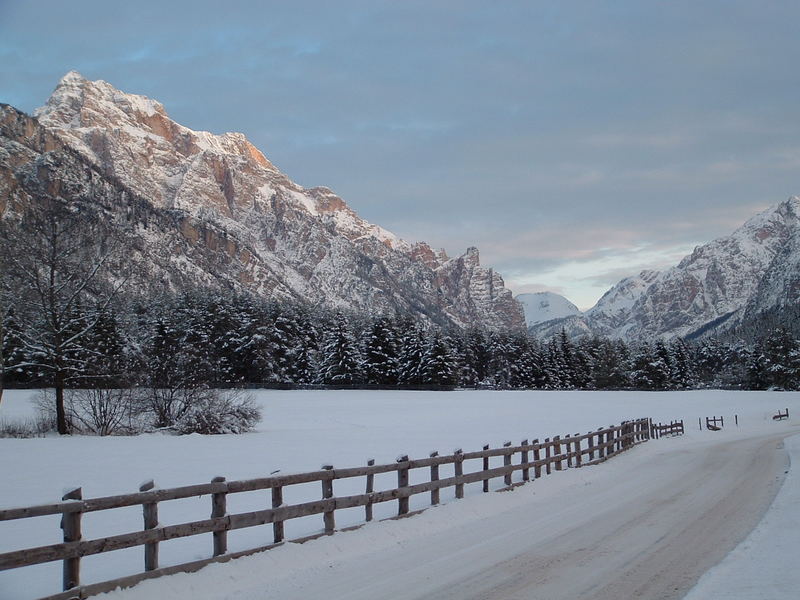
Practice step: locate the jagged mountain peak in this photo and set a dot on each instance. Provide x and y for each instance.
(752, 267)
(74, 91)
(241, 221)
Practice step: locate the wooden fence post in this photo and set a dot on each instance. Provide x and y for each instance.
(402, 482)
(327, 492)
(547, 454)
(71, 524)
(577, 439)
(277, 502)
(590, 449)
(537, 468)
(526, 472)
(557, 451)
(485, 468)
(568, 449)
(434, 477)
(459, 472)
(369, 489)
(150, 514)
(507, 463)
(600, 438)
(218, 509)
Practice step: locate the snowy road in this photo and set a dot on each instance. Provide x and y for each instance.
(646, 525)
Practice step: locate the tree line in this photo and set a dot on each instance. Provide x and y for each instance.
(201, 339)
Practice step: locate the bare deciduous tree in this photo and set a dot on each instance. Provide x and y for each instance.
(57, 263)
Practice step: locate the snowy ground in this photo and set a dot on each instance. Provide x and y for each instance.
(304, 429)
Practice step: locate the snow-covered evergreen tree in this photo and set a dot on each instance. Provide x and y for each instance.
(340, 359)
(381, 353)
(412, 351)
(438, 362)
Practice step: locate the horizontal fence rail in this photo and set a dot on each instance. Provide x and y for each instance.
(531, 459)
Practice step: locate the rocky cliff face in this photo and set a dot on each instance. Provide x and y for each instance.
(719, 285)
(226, 214)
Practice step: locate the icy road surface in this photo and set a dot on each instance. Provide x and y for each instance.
(644, 525)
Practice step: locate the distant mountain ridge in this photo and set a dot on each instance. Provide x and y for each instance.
(720, 285)
(228, 217)
(540, 307)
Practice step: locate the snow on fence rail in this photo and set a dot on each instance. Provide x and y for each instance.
(552, 454)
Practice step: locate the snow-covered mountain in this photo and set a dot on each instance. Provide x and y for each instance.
(545, 306)
(225, 215)
(720, 284)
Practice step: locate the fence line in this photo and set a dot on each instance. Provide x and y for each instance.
(576, 450)
(662, 429)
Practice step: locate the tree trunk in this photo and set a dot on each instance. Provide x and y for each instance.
(61, 414)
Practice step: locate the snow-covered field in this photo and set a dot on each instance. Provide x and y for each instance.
(302, 430)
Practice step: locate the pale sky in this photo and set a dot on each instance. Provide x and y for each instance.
(573, 143)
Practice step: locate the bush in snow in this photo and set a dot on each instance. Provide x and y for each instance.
(96, 411)
(27, 428)
(218, 412)
(104, 412)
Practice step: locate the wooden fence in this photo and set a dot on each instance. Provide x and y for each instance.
(781, 415)
(662, 429)
(531, 460)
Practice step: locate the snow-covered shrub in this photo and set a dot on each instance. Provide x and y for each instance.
(97, 411)
(218, 412)
(38, 426)
(103, 412)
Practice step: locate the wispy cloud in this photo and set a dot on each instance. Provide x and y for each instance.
(571, 142)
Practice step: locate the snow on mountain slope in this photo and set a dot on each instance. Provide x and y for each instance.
(720, 284)
(272, 236)
(545, 306)
(718, 280)
(613, 308)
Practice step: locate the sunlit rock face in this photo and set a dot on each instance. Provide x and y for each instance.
(227, 216)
